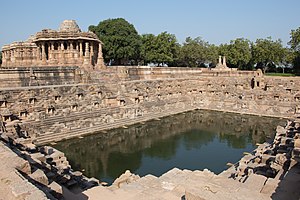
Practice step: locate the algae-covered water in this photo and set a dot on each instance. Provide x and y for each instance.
(193, 140)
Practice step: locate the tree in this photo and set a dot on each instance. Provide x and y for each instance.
(161, 49)
(238, 53)
(197, 52)
(192, 52)
(268, 53)
(295, 47)
(295, 40)
(212, 54)
(121, 41)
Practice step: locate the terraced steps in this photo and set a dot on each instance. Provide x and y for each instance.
(54, 136)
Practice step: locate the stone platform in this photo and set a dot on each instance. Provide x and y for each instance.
(13, 185)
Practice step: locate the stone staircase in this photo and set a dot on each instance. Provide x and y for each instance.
(58, 132)
(181, 184)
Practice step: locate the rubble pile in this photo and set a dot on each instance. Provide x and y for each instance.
(272, 160)
(47, 168)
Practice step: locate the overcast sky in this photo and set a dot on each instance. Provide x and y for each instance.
(216, 21)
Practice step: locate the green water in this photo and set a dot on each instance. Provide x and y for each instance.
(193, 140)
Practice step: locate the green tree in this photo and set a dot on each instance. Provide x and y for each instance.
(161, 49)
(193, 51)
(121, 41)
(295, 48)
(238, 53)
(212, 54)
(268, 53)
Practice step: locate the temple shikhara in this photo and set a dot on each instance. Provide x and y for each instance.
(67, 46)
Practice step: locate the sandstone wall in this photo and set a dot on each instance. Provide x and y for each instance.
(34, 76)
(51, 113)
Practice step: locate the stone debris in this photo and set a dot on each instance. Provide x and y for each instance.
(39, 176)
(269, 159)
(44, 167)
(125, 178)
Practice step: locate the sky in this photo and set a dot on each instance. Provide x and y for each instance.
(216, 21)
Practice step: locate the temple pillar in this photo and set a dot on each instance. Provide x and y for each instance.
(4, 56)
(100, 60)
(92, 54)
(72, 61)
(61, 53)
(76, 51)
(80, 51)
(50, 51)
(12, 57)
(71, 49)
(87, 54)
(43, 53)
(38, 55)
(34, 58)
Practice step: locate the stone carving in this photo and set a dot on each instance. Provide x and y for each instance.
(66, 47)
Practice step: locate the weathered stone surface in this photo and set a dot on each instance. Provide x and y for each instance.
(297, 143)
(39, 176)
(23, 166)
(56, 187)
(125, 178)
(13, 186)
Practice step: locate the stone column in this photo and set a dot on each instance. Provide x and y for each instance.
(76, 50)
(3, 58)
(92, 53)
(80, 50)
(71, 49)
(12, 57)
(87, 54)
(34, 57)
(51, 52)
(224, 61)
(72, 61)
(21, 57)
(38, 55)
(100, 61)
(43, 54)
(61, 59)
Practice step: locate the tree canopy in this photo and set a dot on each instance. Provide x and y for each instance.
(197, 52)
(267, 53)
(159, 50)
(121, 40)
(295, 49)
(122, 45)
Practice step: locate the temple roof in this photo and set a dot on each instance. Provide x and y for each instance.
(69, 26)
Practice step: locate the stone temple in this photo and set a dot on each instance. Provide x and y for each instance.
(67, 46)
(55, 86)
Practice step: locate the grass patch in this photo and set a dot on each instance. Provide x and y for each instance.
(280, 74)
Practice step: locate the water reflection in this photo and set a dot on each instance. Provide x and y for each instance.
(193, 140)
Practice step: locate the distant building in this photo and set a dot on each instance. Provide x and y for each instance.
(68, 46)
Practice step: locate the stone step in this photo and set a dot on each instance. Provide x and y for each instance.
(46, 138)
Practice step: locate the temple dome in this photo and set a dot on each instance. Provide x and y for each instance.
(69, 26)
